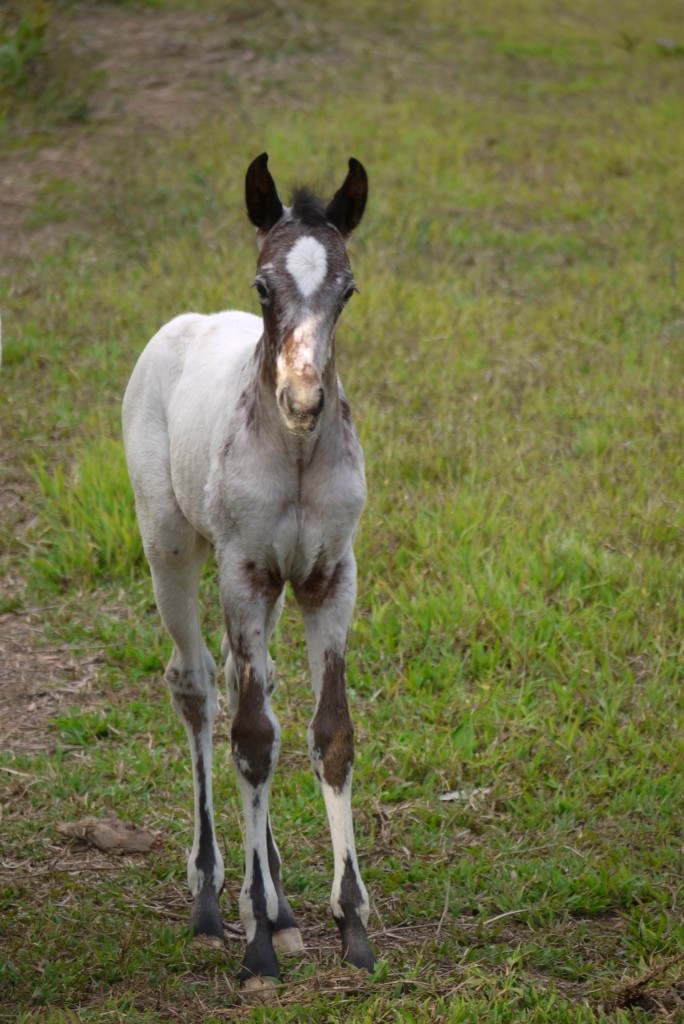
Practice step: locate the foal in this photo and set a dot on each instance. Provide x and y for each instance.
(238, 437)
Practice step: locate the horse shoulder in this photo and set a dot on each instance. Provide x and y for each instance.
(182, 395)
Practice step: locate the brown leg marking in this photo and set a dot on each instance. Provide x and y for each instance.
(252, 733)
(332, 728)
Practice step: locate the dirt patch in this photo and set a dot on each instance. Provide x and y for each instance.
(37, 683)
(141, 71)
(659, 990)
(161, 68)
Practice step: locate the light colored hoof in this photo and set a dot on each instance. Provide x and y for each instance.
(259, 990)
(288, 941)
(207, 942)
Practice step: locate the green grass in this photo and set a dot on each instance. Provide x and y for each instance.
(515, 362)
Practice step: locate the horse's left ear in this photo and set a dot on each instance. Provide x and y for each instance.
(261, 196)
(346, 207)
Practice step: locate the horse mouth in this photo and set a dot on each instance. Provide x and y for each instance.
(301, 424)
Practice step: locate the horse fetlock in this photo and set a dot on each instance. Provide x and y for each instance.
(350, 910)
(258, 910)
(258, 904)
(205, 871)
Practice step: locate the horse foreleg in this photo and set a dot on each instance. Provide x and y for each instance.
(255, 744)
(327, 608)
(287, 937)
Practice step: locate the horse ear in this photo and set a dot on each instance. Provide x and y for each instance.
(263, 203)
(346, 207)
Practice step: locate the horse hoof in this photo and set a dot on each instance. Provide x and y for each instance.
(206, 916)
(288, 941)
(258, 989)
(358, 953)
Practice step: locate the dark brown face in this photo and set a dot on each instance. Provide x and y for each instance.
(303, 280)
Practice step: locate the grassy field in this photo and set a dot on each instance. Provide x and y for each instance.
(515, 365)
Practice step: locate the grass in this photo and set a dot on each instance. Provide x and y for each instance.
(514, 362)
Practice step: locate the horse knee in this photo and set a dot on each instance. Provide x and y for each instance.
(193, 691)
(255, 736)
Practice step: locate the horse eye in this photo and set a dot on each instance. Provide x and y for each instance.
(348, 294)
(262, 291)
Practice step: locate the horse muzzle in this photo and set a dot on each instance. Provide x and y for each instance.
(300, 406)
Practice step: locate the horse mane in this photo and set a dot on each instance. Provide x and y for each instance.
(308, 207)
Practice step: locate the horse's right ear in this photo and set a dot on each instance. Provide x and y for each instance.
(263, 203)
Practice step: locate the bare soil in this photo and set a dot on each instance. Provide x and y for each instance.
(143, 71)
(37, 683)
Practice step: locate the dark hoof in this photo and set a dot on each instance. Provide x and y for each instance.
(260, 960)
(357, 952)
(206, 916)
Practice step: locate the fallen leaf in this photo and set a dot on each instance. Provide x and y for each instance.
(111, 835)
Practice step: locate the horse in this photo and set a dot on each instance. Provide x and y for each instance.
(239, 437)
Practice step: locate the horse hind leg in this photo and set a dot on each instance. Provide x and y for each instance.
(176, 556)
(287, 938)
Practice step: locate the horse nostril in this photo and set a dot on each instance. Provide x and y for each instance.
(316, 411)
(286, 400)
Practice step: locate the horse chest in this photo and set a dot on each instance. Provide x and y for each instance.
(287, 520)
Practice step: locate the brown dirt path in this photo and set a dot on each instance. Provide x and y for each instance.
(125, 72)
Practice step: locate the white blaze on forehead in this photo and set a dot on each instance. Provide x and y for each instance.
(308, 264)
